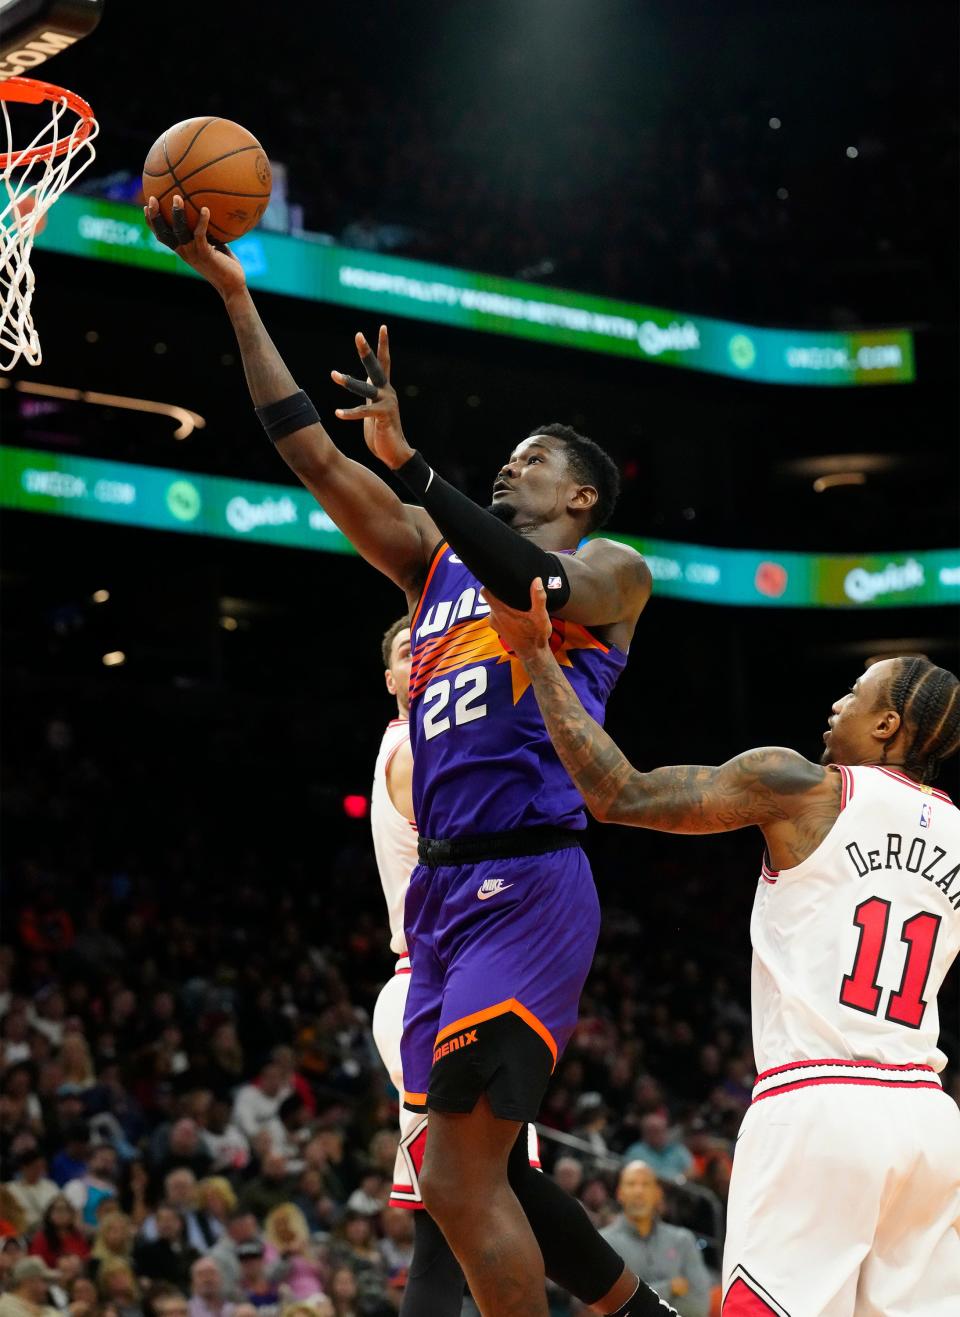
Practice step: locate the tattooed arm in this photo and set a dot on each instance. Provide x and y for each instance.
(754, 788)
(794, 801)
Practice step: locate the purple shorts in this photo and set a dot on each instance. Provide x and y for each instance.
(499, 952)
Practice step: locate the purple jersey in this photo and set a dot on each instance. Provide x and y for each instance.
(482, 759)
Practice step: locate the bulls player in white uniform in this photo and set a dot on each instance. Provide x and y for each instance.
(851, 1147)
(845, 1197)
(395, 846)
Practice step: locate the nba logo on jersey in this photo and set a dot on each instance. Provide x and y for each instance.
(926, 814)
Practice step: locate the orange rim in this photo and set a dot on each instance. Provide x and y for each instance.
(31, 91)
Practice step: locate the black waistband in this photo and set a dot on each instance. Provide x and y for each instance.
(495, 845)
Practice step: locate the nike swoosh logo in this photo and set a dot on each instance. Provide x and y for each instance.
(485, 896)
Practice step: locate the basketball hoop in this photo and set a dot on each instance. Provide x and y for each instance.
(34, 176)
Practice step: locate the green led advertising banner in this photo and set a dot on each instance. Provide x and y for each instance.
(390, 285)
(180, 501)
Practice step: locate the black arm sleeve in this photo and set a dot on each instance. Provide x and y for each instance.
(504, 561)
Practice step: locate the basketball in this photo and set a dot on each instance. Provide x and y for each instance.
(210, 162)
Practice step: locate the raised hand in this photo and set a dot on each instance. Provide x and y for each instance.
(208, 256)
(381, 413)
(525, 633)
(383, 360)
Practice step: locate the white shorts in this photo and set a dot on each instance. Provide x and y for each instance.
(845, 1196)
(387, 1032)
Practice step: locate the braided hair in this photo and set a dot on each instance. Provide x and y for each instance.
(927, 698)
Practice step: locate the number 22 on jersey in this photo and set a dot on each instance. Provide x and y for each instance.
(438, 717)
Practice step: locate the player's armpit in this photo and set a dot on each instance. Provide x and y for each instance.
(760, 788)
(400, 780)
(609, 582)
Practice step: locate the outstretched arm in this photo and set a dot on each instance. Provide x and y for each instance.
(605, 583)
(393, 536)
(760, 787)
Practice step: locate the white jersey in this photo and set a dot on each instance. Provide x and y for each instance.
(850, 947)
(394, 837)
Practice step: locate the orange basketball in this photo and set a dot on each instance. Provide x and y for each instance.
(210, 162)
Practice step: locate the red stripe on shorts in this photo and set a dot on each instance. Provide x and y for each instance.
(848, 1079)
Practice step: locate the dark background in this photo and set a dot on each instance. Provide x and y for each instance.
(613, 147)
(449, 120)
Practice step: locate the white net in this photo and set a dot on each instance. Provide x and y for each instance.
(34, 176)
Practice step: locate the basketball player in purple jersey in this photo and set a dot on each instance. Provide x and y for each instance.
(435, 1281)
(501, 914)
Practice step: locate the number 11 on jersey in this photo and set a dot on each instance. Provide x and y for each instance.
(860, 989)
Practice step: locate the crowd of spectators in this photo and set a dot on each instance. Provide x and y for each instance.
(191, 1106)
(194, 1121)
